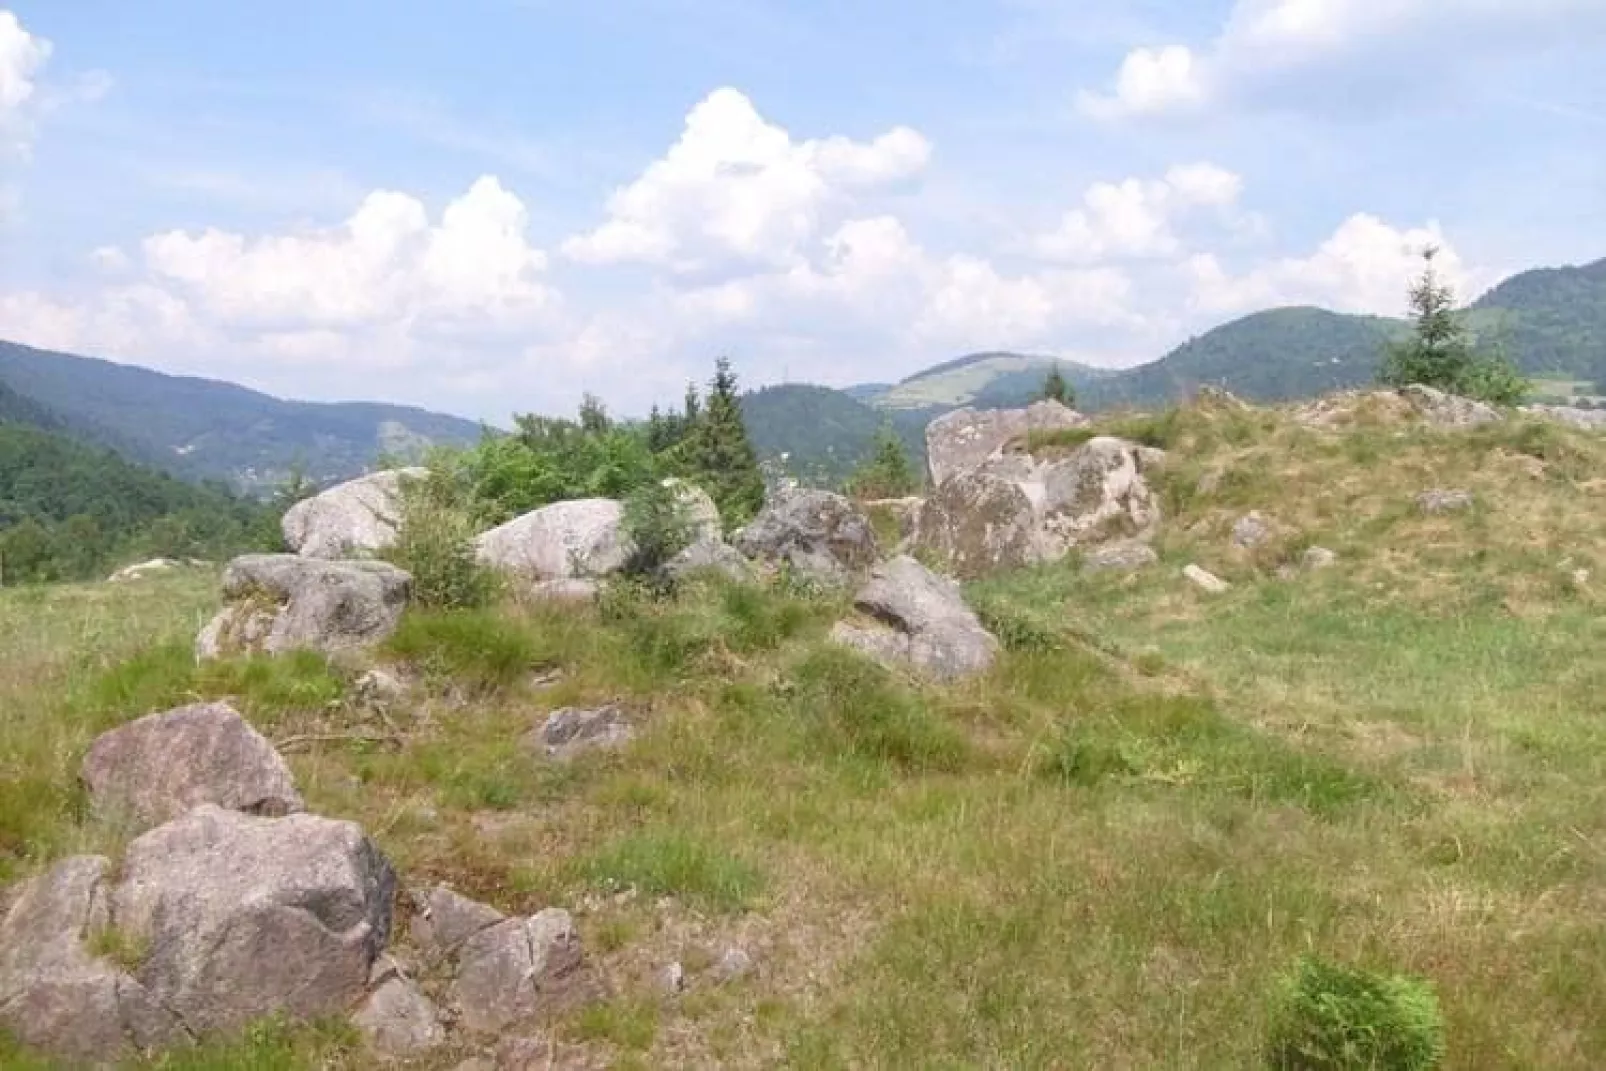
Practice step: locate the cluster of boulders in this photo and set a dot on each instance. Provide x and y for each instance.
(232, 904)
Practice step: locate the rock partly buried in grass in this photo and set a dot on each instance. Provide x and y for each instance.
(445, 918)
(822, 537)
(915, 619)
(55, 994)
(1127, 556)
(710, 556)
(1206, 580)
(580, 538)
(573, 731)
(1015, 511)
(1251, 530)
(517, 969)
(398, 1020)
(1584, 419)
(154, 567)
(963, 440)
(1439, 500)
(164, 765)
(249, 917)
(379, 688)
(354, 519)
(1316, 559)
(733, 964)
(1448, 410)
(281, 602)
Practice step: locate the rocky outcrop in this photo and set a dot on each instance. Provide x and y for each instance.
(354, 519)
(1427, 404)
(282, 602)
(58, 997)
(516, 969)
(823, 537)
(1448, 410)
(1251, 530)
(212, 922)
(246, 917)
(1583, 419)
(915, 619)
(964, 439)
(164, 765)
(580, 538)
(1015, 510)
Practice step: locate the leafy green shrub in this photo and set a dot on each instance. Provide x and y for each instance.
(477, 649)
(435, 543)
(657, 526)
(1334, 1018)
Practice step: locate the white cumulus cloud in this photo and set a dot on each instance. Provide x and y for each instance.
(1133, 218)
(738, 189)
(22, 57)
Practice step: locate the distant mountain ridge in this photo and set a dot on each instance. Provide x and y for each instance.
(208, 429)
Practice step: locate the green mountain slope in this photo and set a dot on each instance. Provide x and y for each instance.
(204, 429)
(982, 379)
(69, 510)
(1552, 321)
(822, 433)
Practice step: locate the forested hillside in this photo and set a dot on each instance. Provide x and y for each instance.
(824, 433)
(1550, 321)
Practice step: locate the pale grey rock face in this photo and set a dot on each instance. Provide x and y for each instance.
(445, 919)
(162, 766)
(963, 440)
(1317, 558)
(918, 620)
(1250, 531)
(354, 519)
(398, 1021)
(1449, 410)
(822, 536)
(710, 557)
(281, 602)
(977, 523)
(57, 997)
(1205, 580)
(246, 917)
(516, 969)
(580, 538)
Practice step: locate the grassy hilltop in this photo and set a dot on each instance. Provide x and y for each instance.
(1103, 854)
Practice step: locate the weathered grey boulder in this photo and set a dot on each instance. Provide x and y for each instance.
(1250, 531)
(824, 537)
(964, 439)
(918, 620)
(1440, 500)
(1127, 556)
(353, 519)
(164, 765)
(1016, 511)
(571, 731)
(444, 919)
(398, 1021)
(55, 995)
(515, 970)
(282, 602)
(1585, 419)
(698, 511)
(710, 556)
(246, 917)
(581, 538)
(1448, 410)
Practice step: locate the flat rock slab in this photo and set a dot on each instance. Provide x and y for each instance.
(164, 765)
(516, 970)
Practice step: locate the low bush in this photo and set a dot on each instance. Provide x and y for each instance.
(1330, 1017)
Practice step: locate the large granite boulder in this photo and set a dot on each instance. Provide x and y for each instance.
(580, 538)
(918, 620)
(822, 536)
(164, 765)
(516, 969)
(283, 602)
(245, 917)
(1015, 510)
(964, 439)
(55, 994)
(353, 519)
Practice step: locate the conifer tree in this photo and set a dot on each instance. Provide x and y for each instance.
(1056, 389)
(1440, 354)
(719, 455)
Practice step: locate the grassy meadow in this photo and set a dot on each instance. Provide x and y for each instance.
(1103, 854)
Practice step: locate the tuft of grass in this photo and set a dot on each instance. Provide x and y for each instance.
(120, 947)
(627, 1024)
(856, 708)
(273, 1044)
(1334, 1018)
(481, 651)
(674, 862)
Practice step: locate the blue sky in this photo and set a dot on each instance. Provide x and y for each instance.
(494, 205)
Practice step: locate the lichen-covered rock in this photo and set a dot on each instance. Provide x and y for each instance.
(515, 970)
(1250, 531)
(918, 620)
(824, 537)
(282, 602)
(1096, 494)
(572, 731)
(580, 538)
(164, 765)
(977, 523)
(247, 917)
(57, 997)
(356, 518)
(964, 439)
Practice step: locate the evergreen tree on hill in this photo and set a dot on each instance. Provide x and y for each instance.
(1440, 354)
(1056, 389)
(717, 453)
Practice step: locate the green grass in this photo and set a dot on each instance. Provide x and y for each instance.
(1106, 852)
